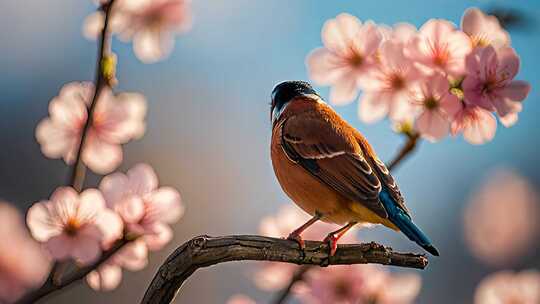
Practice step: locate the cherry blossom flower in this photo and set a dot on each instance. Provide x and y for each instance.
(133, 256)
(437, 107)
(483, 30)
(440, 47)
(357, 284)
(274, 276)
(23, 265)
(151, 24)
(506, 287)
(117, 119)
(348, 56)
(241, 299)
(489, 82)
(386, 91)
(501, 220)
(73, 225)
(145, 209)
(477, 125)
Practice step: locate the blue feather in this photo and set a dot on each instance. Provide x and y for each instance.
(404, 222)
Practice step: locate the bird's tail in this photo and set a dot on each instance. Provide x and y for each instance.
(403, 221)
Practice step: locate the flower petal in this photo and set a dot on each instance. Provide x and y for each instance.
(131, 208)
(482, 130)
(86, 248)
(372, 108)
(134, 256)
(151, 46)
(160, 235)
(61, 246)
(110, 226)
(516, 90)
(91, 202)
(142, 179)
(432, 125)
(56, 141)
(338, 33)
(324, 66)
(40, 223)
(100, 156)
(368, 39)
(114, 187)
(165, 205)
(509, 120)
(93, 25)
(107, 277)
(508, 62)
(344, 90)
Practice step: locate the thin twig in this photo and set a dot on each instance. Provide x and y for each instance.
(297, 277)
(206, 251)
(51, 286)
(78, 170)
(406, 150)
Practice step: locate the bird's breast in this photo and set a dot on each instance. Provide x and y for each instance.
(304, 189)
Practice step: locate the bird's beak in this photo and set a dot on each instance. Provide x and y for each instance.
(272, 112)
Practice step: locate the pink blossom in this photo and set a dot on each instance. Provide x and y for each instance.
(241, 299)
(145, 209)
(348, 56)
(483, 30)
(117, 119)
(440, 47)
(337, 284)
(74, 226)
(506, 287)
(23, 265)
(386, 91)
(383, 287)
(501, 220)
(151, 24)
(274, 276)
(133, 256)
(357, 284)
(437, 107)
(477, 125)
(402, 32)
(489, 82)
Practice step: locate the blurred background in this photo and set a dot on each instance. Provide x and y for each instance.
(209, 130)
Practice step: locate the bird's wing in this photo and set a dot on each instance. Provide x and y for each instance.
(333, 155)
(382, 173)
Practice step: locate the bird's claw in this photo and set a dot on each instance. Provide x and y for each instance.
(332, 240)
(298, 239)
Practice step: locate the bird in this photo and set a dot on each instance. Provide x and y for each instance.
(330, 170)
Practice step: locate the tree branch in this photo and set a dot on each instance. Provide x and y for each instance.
(78, 170)
(52, 285)
(204, 251)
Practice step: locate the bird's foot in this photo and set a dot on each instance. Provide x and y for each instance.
(298, 239)
(332, 240)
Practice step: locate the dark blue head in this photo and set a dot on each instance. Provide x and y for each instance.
(287, 91)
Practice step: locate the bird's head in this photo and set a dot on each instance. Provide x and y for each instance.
(286, 92)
